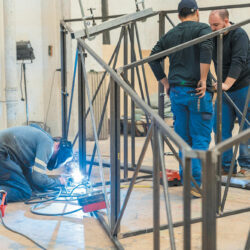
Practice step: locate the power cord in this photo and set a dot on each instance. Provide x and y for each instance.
(21, 87)
(16, 232)
(50, 95)
(32, 210)
(44, 195)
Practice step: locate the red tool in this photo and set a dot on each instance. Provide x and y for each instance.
(92, 201)
(3, 201)
(173, 177)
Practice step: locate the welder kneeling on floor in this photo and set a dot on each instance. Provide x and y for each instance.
(26, 152)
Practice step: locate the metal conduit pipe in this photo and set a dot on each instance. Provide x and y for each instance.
(10, 62)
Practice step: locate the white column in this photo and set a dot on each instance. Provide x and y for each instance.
(2, 73)
(10, 62)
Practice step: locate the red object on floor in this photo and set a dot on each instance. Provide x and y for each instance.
(173, 177)
(3, 203)
(94, 206)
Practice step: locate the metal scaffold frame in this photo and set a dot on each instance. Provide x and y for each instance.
(158, 133)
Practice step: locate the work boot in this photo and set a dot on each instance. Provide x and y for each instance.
(223, 172)
(195, 193)
(243, 173)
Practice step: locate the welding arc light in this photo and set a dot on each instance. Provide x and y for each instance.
(77, 176)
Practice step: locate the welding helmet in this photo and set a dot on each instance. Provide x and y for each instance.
(65, 152)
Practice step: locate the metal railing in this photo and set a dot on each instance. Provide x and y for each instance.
(157, 129)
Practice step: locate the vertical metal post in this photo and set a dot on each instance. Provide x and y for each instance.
(161, 87)
(132, 103)
(248, 242)
(105, 103)
(81, 116)
(187, 202)
(166, 194)
(125, 104)
(219, 115)
(243, 118)
(105, 13)
(63, 80)
(115, 153)
(26, 95)
(143, 68)
(156, 189)
(208, 202)
(116, 50)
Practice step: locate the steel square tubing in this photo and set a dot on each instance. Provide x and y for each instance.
(183, 46)
(112, 24)
(165, 129)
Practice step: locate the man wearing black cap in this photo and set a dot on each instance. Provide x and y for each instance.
(25, 154)
(188, 84)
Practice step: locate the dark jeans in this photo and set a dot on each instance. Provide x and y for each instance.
(228, 120)
(12, 179)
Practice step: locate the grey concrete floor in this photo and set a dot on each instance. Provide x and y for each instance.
(80, 231)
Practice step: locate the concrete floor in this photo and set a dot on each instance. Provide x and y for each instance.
(80, 231)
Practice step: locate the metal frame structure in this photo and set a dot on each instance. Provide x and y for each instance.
(158, 132)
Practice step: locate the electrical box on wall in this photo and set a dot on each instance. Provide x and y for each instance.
(24, 51)
(50, 50)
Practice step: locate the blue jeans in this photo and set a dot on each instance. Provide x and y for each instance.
(228, 119)
(12, 179)
(192, 121)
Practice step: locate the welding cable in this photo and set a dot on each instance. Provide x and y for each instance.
(16, 232)
(32, 210)
(21, 88)
(50, 95)
(72, 93)
(40, 196)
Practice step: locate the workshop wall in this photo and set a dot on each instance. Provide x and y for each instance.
(38, 21)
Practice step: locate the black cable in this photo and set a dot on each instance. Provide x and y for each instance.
(25, 236)
(50, 95)
(32, 210)
(21, 87)
(31, 200)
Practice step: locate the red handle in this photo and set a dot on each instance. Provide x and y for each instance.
(3, 203)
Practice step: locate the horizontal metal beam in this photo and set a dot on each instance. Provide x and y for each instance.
(167, 52)
(181, 223)
(91, 18)
(160, 123)
(235, 6)
(227, 144)
(115, 23)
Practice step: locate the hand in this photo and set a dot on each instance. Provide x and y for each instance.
(224, 86)
(201, 90)
(165, 83)
(62, 181)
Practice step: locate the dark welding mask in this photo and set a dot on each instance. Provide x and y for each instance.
(64, 154)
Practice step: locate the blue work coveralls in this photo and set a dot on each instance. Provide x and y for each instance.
(24, 154)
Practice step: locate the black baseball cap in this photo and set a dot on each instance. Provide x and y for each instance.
(190, 4)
